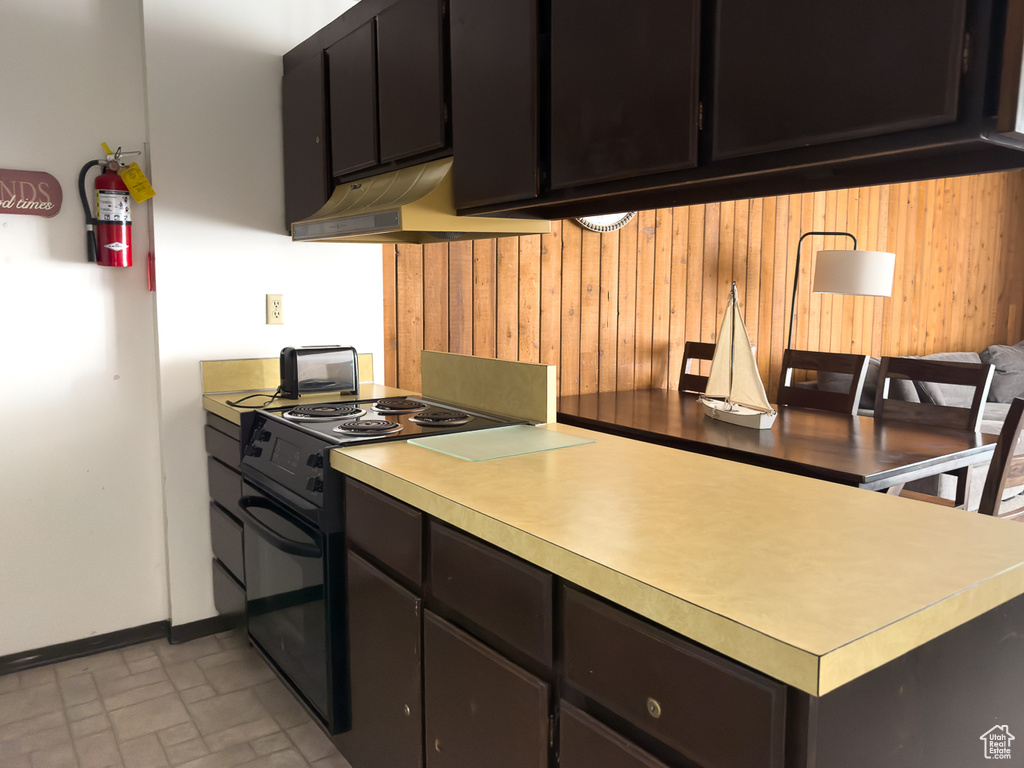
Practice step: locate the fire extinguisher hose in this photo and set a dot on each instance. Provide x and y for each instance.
(90, 220)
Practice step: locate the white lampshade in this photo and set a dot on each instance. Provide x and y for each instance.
(855, 273)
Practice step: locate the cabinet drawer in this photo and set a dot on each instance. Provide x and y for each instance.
(228, 594)
(386, 529)
(223, 447)
(225, 485)
(496, 591)
(714, 711)
(233, 431)
(226, 539)
(584, 742)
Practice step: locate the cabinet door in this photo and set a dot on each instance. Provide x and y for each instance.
(494, 101)
(831, 71)
(384, 663)
(410, 79)
(353, 97)
(481, 709)
(623, 89)
(307, 182)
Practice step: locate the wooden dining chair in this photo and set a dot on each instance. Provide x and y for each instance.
(694, 351)
(957, 392)
(838, 400)
(1007, 467)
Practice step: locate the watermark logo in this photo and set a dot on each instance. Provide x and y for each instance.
(997, 742)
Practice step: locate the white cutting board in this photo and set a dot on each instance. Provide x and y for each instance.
(498, 442)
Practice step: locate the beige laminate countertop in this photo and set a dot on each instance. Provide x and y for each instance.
(809, 582)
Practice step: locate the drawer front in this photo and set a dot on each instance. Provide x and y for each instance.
(223, 425)
(496, 591)
(712, 710)
(583, 742)
(386, 529)
(223, 447)
(228, 594)
(225, 485)
(226, 539)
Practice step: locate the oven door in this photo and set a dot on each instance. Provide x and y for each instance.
(286, 598)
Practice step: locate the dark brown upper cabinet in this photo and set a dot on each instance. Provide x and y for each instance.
(386, 87)
(410, 79)
(495, 101)
(352, 63)
(307, 183)
(800, 73)
(624, 96)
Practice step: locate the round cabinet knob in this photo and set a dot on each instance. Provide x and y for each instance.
(653, 708)
(437, 745)
(408, 711)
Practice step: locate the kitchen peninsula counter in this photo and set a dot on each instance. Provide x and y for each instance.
(811, 583)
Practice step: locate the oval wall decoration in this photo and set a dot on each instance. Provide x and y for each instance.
(29, 193)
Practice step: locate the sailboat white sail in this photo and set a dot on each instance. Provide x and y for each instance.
(734, 391)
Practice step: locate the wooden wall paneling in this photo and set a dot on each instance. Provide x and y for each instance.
(710, 288)
(590, 311)
(644, 350)
(390, 270)
(484, 309)
(528, 331)
(614, 310)
(607, 311)
(460, 297)
(506, 298)
(659, 228)
(693, 325)
(551, 248)
(627, 307)
(435, 297)
(410, 315)
(571, 309)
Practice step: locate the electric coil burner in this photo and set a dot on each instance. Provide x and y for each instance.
(368, 427)
(398, 405)
(438, 417)
(323, 412)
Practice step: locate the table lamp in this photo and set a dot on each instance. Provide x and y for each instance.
(853, 273)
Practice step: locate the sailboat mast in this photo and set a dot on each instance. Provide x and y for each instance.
(732, 340)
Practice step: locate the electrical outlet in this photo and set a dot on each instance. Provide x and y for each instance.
(275, 309)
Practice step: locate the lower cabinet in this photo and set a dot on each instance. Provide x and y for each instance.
(225, 486)
(385, 671)
(481, 709)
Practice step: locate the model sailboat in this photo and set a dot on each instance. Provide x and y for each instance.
(734, 391)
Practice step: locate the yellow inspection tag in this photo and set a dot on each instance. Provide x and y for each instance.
(106, 148)
(137, 183)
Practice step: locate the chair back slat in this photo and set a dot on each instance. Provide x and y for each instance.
(977, 376)
(854, 366)
(1007, 467)
(689, 379)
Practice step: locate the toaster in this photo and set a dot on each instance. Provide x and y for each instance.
(308, 370)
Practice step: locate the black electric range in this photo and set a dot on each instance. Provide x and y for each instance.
(294, 532)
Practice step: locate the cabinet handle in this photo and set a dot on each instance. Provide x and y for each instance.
(653, 708)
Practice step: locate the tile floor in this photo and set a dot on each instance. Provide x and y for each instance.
(210, 703)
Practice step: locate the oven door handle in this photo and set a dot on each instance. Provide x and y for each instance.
(289, 546)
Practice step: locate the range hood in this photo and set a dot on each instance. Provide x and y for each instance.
(410, 205)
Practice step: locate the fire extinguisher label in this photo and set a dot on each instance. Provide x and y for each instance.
(113, 205)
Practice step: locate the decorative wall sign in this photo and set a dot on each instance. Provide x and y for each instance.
(29, 193)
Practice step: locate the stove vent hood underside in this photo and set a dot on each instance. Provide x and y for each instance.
(410, 205)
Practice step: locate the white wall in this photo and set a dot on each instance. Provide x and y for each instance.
(103, 518)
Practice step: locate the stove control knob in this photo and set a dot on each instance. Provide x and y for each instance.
(264, 436)
(315, 460)
(254, 451)
(315, 484)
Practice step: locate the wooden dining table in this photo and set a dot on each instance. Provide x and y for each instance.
(853, 450)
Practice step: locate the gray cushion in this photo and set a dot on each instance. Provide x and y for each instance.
(830, 381)
(948, 394)
(1008, 380)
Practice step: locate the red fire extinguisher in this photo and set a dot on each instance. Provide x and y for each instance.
(109, 224)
